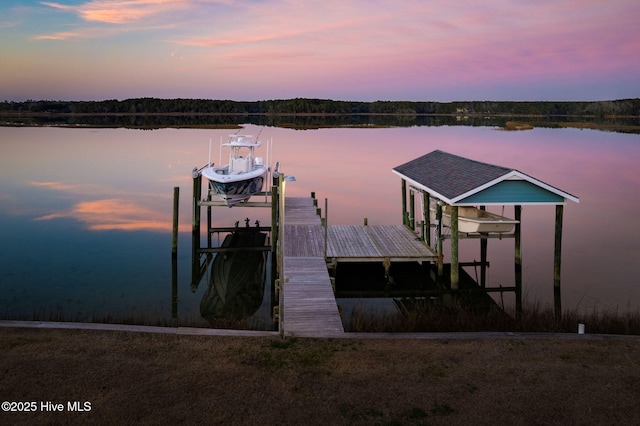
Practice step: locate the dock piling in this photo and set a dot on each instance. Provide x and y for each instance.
(557, 256)
(174, 254)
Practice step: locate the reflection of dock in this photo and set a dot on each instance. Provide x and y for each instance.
(309, 306)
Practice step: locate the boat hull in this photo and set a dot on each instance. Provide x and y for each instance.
(234, 192)
(472, 220)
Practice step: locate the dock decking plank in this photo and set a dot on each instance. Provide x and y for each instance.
(304, 236)
(309, 306)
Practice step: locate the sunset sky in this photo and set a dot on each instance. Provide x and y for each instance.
(363, 50)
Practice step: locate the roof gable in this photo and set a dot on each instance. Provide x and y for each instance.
(517, 191)
(457, 180)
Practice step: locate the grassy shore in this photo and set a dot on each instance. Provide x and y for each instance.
(164, 379)
(533, 318)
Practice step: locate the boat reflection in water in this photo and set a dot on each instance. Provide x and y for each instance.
(236, 285)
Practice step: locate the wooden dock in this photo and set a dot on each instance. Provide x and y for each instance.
(308, 305)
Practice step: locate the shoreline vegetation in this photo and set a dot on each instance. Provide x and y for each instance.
(424, 318)
(151, 113)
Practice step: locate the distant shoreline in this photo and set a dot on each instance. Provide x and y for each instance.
(312, 120)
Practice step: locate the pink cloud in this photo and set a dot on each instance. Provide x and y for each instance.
(114, 214)
(119, 11)
(58, 186)
(108, 213)
(58, 36)
(282, 48)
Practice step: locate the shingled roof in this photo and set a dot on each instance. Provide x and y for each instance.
(459, 180)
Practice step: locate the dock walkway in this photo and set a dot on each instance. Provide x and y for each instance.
(309, 306)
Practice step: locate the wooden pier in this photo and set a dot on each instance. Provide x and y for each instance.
(308, 305)
(303, 249)
(307, 302)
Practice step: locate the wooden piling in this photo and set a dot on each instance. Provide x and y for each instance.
(197, 191)
(404, 202)
(174, 234)
(517, 213)
(557, 257)
(454, 248)
(426, 235)
(412, 210)
(275, 205)
(281, 277)
(195, 229)
(325, 223)
(483, 257)
(174, 254)
(439, 239)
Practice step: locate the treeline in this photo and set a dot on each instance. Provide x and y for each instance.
(303, 106)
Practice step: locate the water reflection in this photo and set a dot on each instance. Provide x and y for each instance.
(85, 214)
(237, 279)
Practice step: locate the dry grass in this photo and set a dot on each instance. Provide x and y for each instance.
(517, 125)
(425, 317)
(164, 379)
(610, 127)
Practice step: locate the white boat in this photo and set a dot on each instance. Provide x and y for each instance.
(474, 220)
(242, 177)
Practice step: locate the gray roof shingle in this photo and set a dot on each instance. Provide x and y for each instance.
(448, 174)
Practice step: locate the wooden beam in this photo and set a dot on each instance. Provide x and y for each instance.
(476, 236)
(240, 228)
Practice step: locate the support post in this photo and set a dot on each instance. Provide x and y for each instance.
(326, 227)
(557, 256)
(174, 233)
(209, 222)
(404, 202)
(412, 210)
(195, 229)
(439, 239)
(174, 254)
(483, 257)
(274, 227)
(282, 279)
(197, 191)
(517, 213)
(454, 248)
(426, 201)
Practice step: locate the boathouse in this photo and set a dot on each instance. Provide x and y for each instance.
(450, 186)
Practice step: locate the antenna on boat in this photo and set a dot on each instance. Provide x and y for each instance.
(220, 161)
(209, 163)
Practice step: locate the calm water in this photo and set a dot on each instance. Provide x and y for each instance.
(85, 214)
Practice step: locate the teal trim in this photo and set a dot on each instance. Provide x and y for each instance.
(513, 192)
